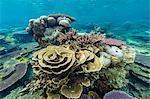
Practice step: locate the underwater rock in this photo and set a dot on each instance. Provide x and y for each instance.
(2, 37)
(63, 21)
(20, 71)
(117, 95)
(115, 42)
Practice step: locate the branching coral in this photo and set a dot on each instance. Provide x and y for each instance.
(70, 37)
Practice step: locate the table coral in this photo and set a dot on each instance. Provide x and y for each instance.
(19, 72)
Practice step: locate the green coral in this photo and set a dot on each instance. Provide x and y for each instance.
(116, 77)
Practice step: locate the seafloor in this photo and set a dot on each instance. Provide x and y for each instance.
(14, 38)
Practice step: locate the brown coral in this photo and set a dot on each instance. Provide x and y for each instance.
(90, 38)
(54, 23)
(57, 67)
(53, 60)
(62, 15)
(72, 91)
(73, 37)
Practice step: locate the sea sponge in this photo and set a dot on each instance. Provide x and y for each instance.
(53, 60)
(72, 91)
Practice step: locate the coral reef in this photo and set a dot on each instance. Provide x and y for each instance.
(46, 28)
(74, 37)
(117, 95)
(111, 78)
(115, 42)
(58, 69)
(71, 65)
(14, 76)
(139, 80)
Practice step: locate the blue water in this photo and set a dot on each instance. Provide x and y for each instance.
(127, 20)
(18, 12)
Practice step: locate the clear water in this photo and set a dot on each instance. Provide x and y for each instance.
(128, 20)
(18, 12)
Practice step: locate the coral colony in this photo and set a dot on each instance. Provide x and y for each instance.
(69, 65)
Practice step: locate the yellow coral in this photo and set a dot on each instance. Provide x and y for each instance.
(71, 91)
(53, 60)
(93, 66)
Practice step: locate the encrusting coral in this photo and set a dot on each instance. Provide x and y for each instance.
(71, 64)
